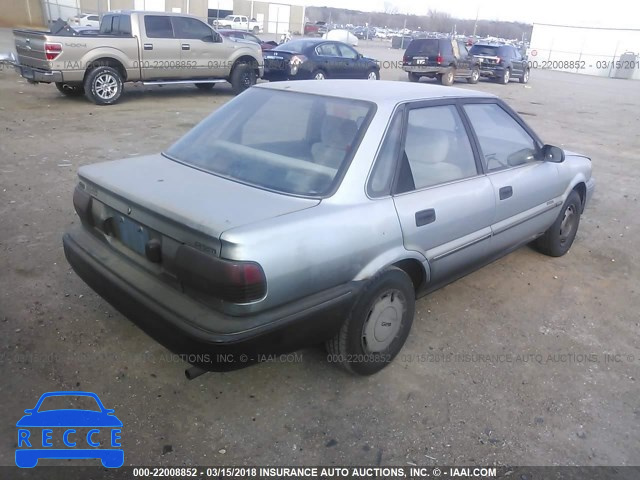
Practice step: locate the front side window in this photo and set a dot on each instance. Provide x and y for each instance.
(287, 142)
(190, 28)
(437, 149)
(158, 26)
(347, 52)
(504, 143)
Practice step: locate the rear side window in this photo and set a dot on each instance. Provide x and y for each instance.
(384, 168)
(116, 25)
(190, 28)
(427, 47)
(158, 26)
(486, 50)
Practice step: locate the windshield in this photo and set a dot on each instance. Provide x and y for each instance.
(484, 50)
(288, 142)
(229, 17)
(66, 402)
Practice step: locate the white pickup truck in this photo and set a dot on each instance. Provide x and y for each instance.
(239, 22)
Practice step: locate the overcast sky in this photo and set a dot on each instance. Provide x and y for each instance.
(612, 13)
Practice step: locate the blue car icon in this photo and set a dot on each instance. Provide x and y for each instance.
(41, 427)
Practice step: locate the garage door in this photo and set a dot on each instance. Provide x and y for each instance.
(278, 18)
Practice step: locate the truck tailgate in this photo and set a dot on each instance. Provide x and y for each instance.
(30, 48)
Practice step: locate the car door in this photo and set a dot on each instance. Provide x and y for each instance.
(528, 192)
(518, 62)
(444, 203)
(355, 66)
(160, 56)
(464, 64)
(203, 56)
(330, 60)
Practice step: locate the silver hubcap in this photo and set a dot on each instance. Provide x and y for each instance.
(450, 77)
(475, 75)
(568, 223)
(383, 321)
(372, 76)
(106, 86)
(319, 76)
(506, 76)
(526, 76)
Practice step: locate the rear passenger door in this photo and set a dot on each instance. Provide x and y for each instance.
(444, 203)
(160, 56)
(527, 190)
(202, 55)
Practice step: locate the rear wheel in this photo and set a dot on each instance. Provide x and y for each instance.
(205, 86)
(448, 77)
(377, 326)
(506, 76)
(558, 239)
(103, 85)
(319, 75)
(70, 89)
(414, 77)
(242, 77)
(525, 76)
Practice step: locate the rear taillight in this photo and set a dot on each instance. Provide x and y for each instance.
(405, 59)
(439, 59)
(82, 203)
(52, 50)
(229, 280)
(499, 60)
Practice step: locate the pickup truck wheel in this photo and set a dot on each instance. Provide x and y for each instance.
(70, 89)
(475, 76)
(103, 85)
(256, 30)
(205, 86)
(414, 77)
(242, 77)
(558, 239)
(448, 77)
(377, 326)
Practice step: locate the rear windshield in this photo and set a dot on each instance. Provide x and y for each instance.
(428, 47)
(488, 50)
(298, 46)
(288, 142)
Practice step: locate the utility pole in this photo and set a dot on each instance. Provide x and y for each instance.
(475, 25)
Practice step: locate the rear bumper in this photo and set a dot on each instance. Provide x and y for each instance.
(492, 71)
(424, 70)
(38, 75)
(207, 338)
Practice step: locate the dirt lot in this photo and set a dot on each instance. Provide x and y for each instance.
(506, 366)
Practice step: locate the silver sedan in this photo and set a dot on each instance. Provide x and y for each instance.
(310, 212)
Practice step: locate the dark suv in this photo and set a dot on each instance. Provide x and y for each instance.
(501, 62)
(443, 58)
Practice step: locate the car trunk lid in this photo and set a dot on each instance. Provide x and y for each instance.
(277, 60)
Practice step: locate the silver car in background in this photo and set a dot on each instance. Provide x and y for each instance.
(308, 212)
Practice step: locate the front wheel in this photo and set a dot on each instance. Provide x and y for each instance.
(103, 85)
(475, 76)
(558, 239)
(377, 326)
(242, 77)
(506, 76)
(70, 89)
(373, 75)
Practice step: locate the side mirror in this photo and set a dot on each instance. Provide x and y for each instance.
(551, 153)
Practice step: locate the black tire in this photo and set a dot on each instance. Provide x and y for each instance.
(316, 74)
(414, 77)
(505, 77)
(475, 76)
(373, 74)
(524, 78)
(558, 239)
(256, 30)
(205, 86)
(70, 89)
(390, 292)
(448, 78)
(243, 76)
(103, 85)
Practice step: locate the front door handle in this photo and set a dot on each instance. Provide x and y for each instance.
(424, 217)
(186, 46)
(506, 192)
(148, 46)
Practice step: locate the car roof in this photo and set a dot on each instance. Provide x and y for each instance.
(380, 91)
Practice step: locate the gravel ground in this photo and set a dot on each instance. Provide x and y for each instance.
(529, 361)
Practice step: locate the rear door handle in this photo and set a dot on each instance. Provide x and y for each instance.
(424, 217)
(506, 192)
(186, 46)
(148, 46)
